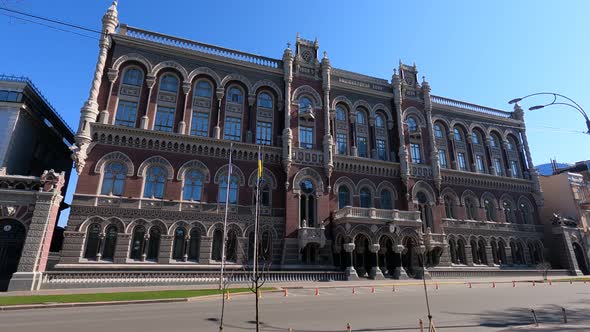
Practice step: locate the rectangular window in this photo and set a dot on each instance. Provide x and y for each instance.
(361, 145)
(480, 165)
(442, 157)
(306, 137)
(126, 113)
(461, 160)
(164, 119)
(415, 153)
(263, 133)
(514, 168)
(233, 129)
(342, 143)
(498, 165)
(200, 124)
(381, 153)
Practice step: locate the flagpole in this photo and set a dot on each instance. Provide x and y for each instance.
(227, 190)
(255, 258)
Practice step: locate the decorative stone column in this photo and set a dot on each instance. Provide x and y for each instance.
(375, 272)
(219, 93)
(287, 133)
(122, 248)
(399, 272)
(150, 81)
(508, 251)
(468, 255)
(422, 270)
(72, 247)
(328, 140)
(350, 271)
(251, 123)
(36, 247)
(434, 159)
(165, 249)
(489, 255)
(396, 83)
(186, 88)
(205, 250)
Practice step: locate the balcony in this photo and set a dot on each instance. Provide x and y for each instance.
(307, 235)
(490, 225)
(359, 214)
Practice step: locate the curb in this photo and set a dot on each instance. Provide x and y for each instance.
(86, 304)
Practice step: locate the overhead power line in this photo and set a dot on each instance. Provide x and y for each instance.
(71, 25)
(48, 26)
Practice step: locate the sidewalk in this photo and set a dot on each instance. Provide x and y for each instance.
(308, 284)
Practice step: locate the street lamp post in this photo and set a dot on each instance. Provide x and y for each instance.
(569, 103)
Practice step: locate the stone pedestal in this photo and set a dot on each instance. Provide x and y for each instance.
(350, 271)
(399, 272)
(375, 272)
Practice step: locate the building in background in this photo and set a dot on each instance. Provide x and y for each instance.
(362, 175)
(35, 166)
(567, 215)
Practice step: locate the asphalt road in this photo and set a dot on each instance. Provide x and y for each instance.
(454, 308)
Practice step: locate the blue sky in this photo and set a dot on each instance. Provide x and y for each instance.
(484, 52)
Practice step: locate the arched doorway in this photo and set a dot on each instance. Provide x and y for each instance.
(580, 258)
(387, 257)
(12, 239)
(310, 254)
(410, 259)
(362, 258)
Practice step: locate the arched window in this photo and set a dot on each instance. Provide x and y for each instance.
(201, 105)
(490, 210)
(340, 114)
(425, 211)
(92, 242)
(305, 105)
(453, 251)
(231, 246)
(133, 76)
(365, 198)
(461, 252)
(235, 95)
(475, 138)
(438, 131)
(264, 100)
(129, 93)
(494, 140)
(457, 134)
(233, 189)
(217, 243)
(386, 199)
(511, 144)
(449, 207)
(508, 211)
(483, 257)
(203, 89)
(341, 128)
(155, 182)
(362, 134)
(113, 179)
(265, 195)
(525, 213)
(154, 243)
(412, 124)
(361, 117)
(179, 244)
(194, 247)
(307, 203)
(193, 185)
(379, 122)
(343, 197)
(110, 242)
(137, 243)
(266, 246)
(169, 83)
(470, 208)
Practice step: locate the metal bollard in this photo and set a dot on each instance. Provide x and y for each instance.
(421, 325)
(535, 317)
(564, 315)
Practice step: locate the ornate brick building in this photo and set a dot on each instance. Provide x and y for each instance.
(361, 174)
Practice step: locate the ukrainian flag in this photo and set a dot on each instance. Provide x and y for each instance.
(259, 164)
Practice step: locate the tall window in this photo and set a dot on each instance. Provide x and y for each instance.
(386, 201)
(265, 195)
(307, 204)
(305, 105)
(379, 122)
(361, 144)
(155, 181)
(153, 250)
(92, 242)
(200, 124)
(179, 244)
(305, 137)
(381, 153)
(490, 210)
(412, 124)
(133, 77)
(361, 118)
(480, 165)
(525, 213)
(442, 157)
(438, 131)
(233, 129)
(113, 179)
(425, 211)
(110, 242)
(193, 185)
(217, 243)
(415, 153)
(342, 143)
(449, 207)
(203, 89)
(494, 141)
(475, 138)
(233, 189)
(343, 197)
(169, 83)
(365, 198)
(194, 247)
(514, 168)
(126, 113)
(164, 119)
(470, 208)
(340, 114)
(461, 160)
(498, 165)
(235, 95)
(457, 135)
(137, 243)
(264, 100)
(508, 211)
(263, 133)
